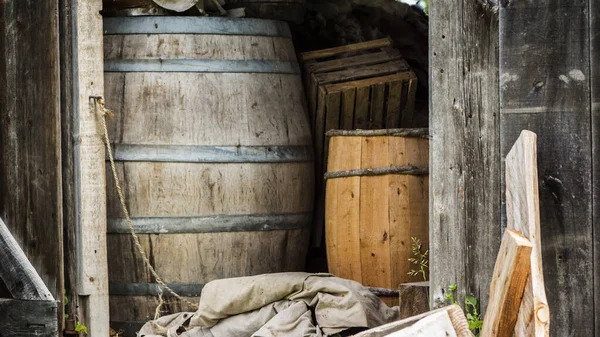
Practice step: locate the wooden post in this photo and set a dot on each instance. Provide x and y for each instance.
(88, 167)
(510, 276)
(465, 158)
(545, 81)
(595, 85)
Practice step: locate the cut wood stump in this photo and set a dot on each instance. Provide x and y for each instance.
(508, 283)
(523, 214)
(414, 298)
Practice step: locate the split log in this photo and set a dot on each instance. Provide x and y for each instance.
(523, 214)
(445, 322)
(508, 283)
(19, 276)
(414, 298)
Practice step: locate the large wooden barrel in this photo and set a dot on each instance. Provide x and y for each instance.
(214, 151)
(377, 200)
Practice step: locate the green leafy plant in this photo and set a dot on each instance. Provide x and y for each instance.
(81, 329)
(473, 316)
(420, 259)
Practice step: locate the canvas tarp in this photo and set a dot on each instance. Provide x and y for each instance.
(273, 305)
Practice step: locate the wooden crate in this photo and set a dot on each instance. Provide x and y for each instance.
(366, 85)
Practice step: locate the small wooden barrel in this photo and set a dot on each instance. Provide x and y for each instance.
(214, 151)
(376, 202)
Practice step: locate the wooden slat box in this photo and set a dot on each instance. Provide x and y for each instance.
(360, 86)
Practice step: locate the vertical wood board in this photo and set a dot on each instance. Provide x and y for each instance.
(595, 85)
(545, 88)
(30, 173)
(465, 161)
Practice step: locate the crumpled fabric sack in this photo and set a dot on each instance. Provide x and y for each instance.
(270, 305)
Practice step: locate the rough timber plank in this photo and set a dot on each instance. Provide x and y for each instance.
(454, 312)
(595, 81)
(465, 161)
(510, 277)
(16, 271)
(414, 298)
(545, 88)
(89, 168)
(317, 54)
(361, 110)
(523, 214)
(28, 318)
(30, 178)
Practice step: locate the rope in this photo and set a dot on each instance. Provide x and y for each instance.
(103, 113)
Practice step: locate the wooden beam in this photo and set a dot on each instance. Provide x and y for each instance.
(465, 158)
(28, 318)
(510, 276)
(545, 88)
(89, 185)
(449, 321)
(595, 85)
(523, 214)
(16, 271)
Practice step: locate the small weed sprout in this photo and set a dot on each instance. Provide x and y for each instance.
(420, 259)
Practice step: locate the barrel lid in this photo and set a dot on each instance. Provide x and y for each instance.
(195, 25)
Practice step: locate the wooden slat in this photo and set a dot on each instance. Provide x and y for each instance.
(506, 290)
(377, 106)
(374, 217)
(465, 162)
(347, 113)
(312, 55)
(523, 214)
(16, 271)
(353, 61)
(545, 88)
(595, 85)
(361, 107)
(30, 175)
(28, 318)
(342, 210)
(362, 72)
(393, 105)
(335, 87)
(408, 111)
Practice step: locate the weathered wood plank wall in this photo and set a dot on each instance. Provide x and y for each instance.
(595, 82)
(545, 88)
(465, 163)
(30, 174)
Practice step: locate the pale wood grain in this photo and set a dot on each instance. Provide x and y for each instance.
(523, 214)
(374, 215)
(342, 211)
(511, 271)
(454, 313)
